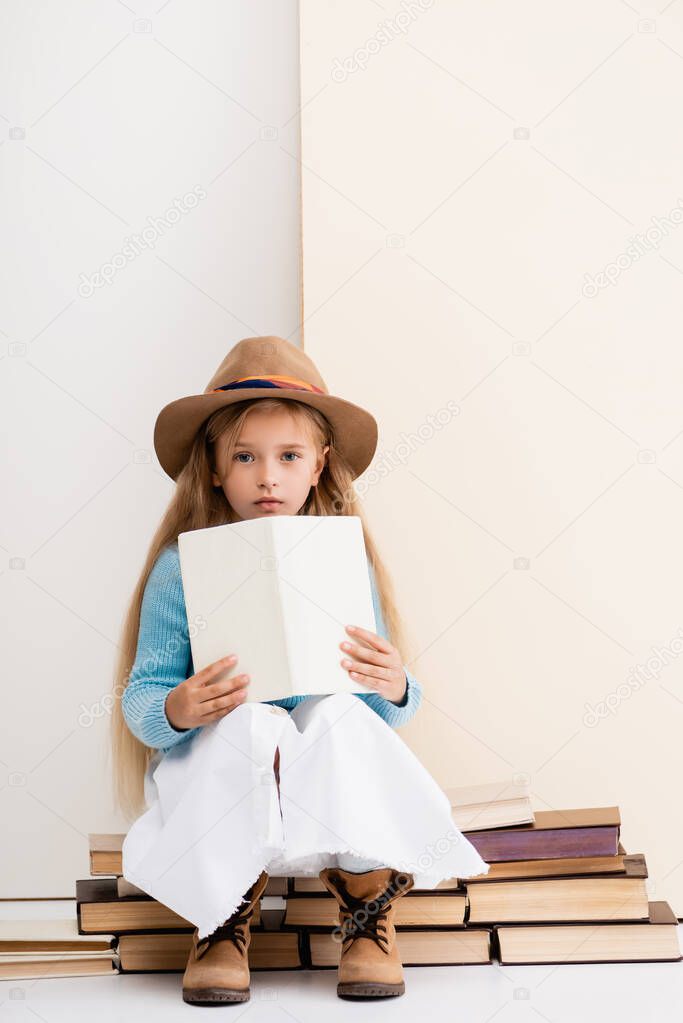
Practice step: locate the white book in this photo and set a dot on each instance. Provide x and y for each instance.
(278, 592)
(61, 935)
(491, 804)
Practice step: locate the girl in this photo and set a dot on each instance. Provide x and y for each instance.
(235, 789)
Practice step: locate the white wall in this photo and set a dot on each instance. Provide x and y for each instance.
(467, 174)
(108, 115)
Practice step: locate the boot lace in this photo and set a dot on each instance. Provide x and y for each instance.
(353, 924)
(233, 930)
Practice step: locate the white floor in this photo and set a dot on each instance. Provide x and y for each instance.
(629, 993)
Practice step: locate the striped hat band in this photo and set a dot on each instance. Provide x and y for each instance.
(291, 383)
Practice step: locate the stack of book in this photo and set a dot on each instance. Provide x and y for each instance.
(561, 888)
(37, 948)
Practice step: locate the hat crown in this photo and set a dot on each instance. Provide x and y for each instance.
(267, 356)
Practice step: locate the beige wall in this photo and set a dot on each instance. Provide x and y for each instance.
(464, 184)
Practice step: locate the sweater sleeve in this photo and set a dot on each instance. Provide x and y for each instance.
(163, 657)
(395, 714)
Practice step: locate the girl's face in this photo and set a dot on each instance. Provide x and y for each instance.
(274, 457)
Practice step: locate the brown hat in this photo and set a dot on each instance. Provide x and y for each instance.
(262, 367)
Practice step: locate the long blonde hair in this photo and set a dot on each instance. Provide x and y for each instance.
(196, 504)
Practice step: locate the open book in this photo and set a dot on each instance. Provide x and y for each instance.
(278, 592)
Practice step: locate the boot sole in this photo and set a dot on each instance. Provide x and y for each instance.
(214, 995)
(369, 990)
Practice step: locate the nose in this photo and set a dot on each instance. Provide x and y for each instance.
(268, 478)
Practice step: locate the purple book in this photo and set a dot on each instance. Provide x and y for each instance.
(593, 831)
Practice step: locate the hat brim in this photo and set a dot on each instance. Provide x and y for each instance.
(355, 429)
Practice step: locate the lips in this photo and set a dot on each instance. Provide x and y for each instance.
(268, 500)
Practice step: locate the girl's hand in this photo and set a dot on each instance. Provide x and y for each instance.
(375, 662)
(203, 698)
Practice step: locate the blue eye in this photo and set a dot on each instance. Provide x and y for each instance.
(240, 453)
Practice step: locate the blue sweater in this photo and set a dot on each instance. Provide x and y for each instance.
(164, 658)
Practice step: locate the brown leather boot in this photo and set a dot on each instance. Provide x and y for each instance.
(369, 963)
(218, 967)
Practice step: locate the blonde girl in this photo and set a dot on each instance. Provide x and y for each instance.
(224, 791)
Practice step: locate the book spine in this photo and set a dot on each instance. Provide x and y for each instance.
(527, 845)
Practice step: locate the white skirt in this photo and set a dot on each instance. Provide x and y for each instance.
(349, 784)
